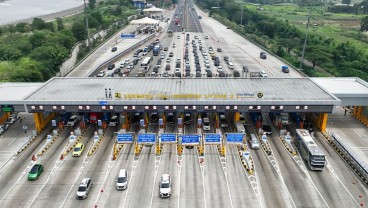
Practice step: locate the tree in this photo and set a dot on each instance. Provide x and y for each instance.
(346, 1)
(38, 24)
(97, 15)
(27, 70)
(364, 24)
(318, 54)
(37, 39)
(21, 27)
(289, 43)
(79, 31)
(8, 52)
(92, 4)
(92, 22)
(60, 24)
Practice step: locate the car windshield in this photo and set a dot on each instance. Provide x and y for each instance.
(77, 149)
(34, 169)
(82, 188)
(121, 179)
(165, 185)
(254, 141)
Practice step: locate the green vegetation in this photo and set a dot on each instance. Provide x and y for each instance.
(334, 45)
(34, 52)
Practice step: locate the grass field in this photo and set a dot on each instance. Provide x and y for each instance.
(340, 27)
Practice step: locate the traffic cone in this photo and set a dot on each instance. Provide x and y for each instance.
(34, 157)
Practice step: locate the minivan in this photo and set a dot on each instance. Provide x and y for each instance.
(206, 124)
(122, 180)
(254, 143)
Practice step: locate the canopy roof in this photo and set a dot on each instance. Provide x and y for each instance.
(145, 20)
(153, 9)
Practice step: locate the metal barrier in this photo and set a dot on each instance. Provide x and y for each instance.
(359, 166)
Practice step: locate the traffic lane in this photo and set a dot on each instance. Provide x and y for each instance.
(270, 186)
(57, 186)
(95, 170)
(232, 38)
(24, 191)
(295, 179)
(335, 181)
(141, 185)
(353, 132)
(242, 193)
(168, 165)
(111, 196)
(214, 180)
(191, 180)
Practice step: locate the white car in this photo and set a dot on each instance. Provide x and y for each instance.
(219, 69)
(126, 61)
(178, 37)
(173, 45)
(165, 185)
(206, 37)
(84, 188)
(168, 60)
(72, 120)
(101, 74)
(12, 118)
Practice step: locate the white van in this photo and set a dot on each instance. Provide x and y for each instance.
(254, 143)
(122, 181)
(113, 121)
(231, 65)
(223, 121)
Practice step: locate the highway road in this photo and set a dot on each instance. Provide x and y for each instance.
(279, 179)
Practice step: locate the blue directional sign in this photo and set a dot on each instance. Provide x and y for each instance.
(124, 138)
(235, 138)
(127, 35)
(146, 138)
(165, 138)
(190, 139)
(212, 138)
(102, 102)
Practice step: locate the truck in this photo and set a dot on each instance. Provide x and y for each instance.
(94, 117)
(156, 50)
(240, 127)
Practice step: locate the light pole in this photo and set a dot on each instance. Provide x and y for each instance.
(85, 8)
(305, 40)
(241, 16)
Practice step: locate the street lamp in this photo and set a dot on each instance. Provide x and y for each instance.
(85, 8)
(305, 40)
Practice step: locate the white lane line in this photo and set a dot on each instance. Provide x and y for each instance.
(357, 133)
(134, 168)
(12, 141)
(337, 177)
(227, 181)
(155, 176)
(204, 188)
(19, 178)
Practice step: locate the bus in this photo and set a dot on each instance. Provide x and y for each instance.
(146, 62)
(309, 150)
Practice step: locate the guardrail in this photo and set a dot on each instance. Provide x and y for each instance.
(357, 164)
(105, 63)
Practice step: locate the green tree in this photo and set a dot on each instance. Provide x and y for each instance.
(79, 31)
(289, 43)
(38, 24)
(6, 69)
(318, 54)
(27, 70)
(92, 22)
(97, 15)
(21, 27)
(364, 24)
(60, 24)
(8, 52)
(37, 39)
(92, 4)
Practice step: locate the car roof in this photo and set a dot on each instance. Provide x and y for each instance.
(79, 145)
(165, 177)
(85, 180)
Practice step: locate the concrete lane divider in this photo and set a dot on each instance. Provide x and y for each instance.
(46, 147)
(95, 146)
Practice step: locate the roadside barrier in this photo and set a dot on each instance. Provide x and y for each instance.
(291, 151)
(47, 146)
(96, 145)
(34, 138)
(358, 165)
(250, 168)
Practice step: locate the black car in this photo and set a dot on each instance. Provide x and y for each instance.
(221, 74)
(267, 129)
(139, 51)
(245, 69)
(219, 50)
(166, 48)
(113, 49)
(187, 73)
(171, 54)
(226, 58)
(155, 69)
(198, 74)
(209, 74)
(135, 61)
(154, 118)
(117, 71)
(236, 73)
(187, 68)
(111, 66)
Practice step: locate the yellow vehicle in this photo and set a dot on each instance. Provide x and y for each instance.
(78, 149)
